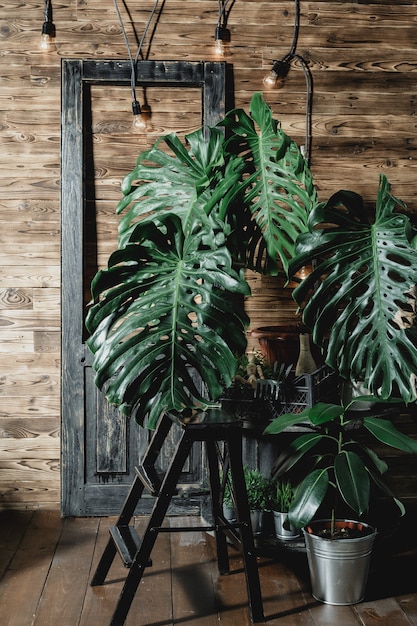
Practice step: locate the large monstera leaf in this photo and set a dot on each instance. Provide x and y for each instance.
(278, 189)
(362, 291)
(176, 181)
(164, 311)
(256, 181)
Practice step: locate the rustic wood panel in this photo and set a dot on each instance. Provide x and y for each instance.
(364, 65)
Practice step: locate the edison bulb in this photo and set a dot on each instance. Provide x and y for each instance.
(219, 48)
(139, 123)
(47, 43)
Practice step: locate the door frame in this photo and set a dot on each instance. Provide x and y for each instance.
(76, 74)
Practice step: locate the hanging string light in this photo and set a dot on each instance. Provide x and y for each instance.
(140, 116)
(48, 29)
(279, 71)
(222, 33)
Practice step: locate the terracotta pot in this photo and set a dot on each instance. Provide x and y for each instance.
(279, 343)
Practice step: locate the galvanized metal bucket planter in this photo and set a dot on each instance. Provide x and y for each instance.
(281, 532)
(339, 567)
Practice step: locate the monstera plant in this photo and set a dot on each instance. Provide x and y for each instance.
(167, 320)
(361, 294)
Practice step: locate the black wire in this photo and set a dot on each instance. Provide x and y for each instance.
(133, 62)
(287, 58)
(48, 10)
(296, 28)
(309, 105)
(222, 19)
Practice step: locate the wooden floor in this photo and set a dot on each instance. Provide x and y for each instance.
(46, 564)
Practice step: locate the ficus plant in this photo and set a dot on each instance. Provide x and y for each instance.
(338, 466)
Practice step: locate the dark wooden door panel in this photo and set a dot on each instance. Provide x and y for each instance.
(100, 448)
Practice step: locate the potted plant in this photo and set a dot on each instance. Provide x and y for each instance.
(338, 475)
(228, 501)
(359, 303)
(281, 497)
(257, 490)
(167, 322)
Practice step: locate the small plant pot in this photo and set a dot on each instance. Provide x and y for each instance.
(229, 513)
(256, 521)
(280, 531)
(339, 567)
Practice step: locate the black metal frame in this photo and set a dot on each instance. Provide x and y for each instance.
(211, 427)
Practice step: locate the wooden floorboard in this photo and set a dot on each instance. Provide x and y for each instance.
(47, 562)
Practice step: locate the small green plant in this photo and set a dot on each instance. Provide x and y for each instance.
(281, 495)
(257, 489)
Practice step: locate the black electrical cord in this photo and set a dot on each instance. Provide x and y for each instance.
(282, 67)
(222, 18)
(133, 62)
(48, 27)
(309, 105)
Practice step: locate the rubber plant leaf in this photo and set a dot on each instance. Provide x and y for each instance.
(156, 326)
(280, 423)
(385, 431)
(385, 489)
(322, 413)
(278, 188)
(375, 462)
(294, 452)
(362, 288)
(308, 497)
(352, 480)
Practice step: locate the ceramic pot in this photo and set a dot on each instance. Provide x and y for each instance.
(339, 567)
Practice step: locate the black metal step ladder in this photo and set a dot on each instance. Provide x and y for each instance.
(213, 427)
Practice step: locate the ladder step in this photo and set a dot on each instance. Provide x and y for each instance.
(127, 542)
(150, 478)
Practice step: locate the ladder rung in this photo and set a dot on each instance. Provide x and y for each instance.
(127, 542)
(150, 479)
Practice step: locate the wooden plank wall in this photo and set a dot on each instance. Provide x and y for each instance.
(363, 59)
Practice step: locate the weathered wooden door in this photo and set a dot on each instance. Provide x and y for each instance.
(100, 448)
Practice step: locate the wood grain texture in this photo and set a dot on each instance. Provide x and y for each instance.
(363, 61)
(46, 564)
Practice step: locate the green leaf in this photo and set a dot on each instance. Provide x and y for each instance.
(280, 423)
(157, 326)
(294, 452)
(388, 492)
(363, 283)
(278, 188)
(322, 413)
(375, 461)
(308, 497)
(352, 481)
(385, 431)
